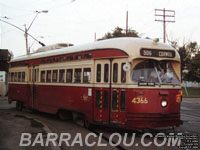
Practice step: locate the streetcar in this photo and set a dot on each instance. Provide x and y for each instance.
(129, 83)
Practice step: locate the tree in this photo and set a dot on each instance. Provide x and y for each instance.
(190, 57)
(194, 69)
(119, 32)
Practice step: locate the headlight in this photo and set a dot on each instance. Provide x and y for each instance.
(163, 103)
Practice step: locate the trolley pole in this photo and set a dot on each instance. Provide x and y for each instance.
(126, 22)
(26, 40)
(27, 29)
(163, 15)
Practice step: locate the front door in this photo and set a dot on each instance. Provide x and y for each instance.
(101, 97)
(118, 114)
(101, 106)
(109, 96)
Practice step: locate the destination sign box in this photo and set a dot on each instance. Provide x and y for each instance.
(157, 53)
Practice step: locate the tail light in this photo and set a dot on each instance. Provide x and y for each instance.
(179, 96)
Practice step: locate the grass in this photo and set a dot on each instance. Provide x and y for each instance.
(192, 92)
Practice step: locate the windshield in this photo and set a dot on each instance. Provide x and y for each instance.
(155, 72)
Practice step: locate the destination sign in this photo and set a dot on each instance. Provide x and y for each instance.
(157, 53)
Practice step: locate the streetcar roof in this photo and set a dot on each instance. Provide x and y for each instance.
(129, 45)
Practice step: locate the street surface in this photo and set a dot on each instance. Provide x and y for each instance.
(13, 123)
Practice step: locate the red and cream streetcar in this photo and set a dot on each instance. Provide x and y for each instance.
(128, 83)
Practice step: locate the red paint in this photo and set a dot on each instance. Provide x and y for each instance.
(71, 98)
(95, 54)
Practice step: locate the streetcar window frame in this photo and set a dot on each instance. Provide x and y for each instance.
(42, 76)
(23, 76)
(70, 58)
(87, 56)
(98, 73)
(19, 76)
(48, 76)
(12, 76)
(55, 59)
(62, 75)
(106, 72)
(69, 75)
(122, 100)
(43, 61)
(123, 74)
(98, 98)
(55, 76)
(15, 77)
(62, 59)
(114, 100)
(78, 57)
(87, 75)
(115, 72)
(49, 60)
(77, 75)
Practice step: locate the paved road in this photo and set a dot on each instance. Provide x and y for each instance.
(190, 115)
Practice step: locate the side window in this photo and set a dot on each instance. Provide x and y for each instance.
(48, 76)
(19, 77)
(98, 95)
(87, 75)
(61, 75)
(23, 76)
(122, 100)
(12, 77)
(106, 72)
(105, 99)
(55, 76)
(78, 57)
(70, 58)
(15, 78)
(123, 74)
(115, 72)
(69, 75)
(77, 76)
(42, 76)
(114, 100)
(98, 73)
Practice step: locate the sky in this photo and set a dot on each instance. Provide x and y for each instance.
(77, 21)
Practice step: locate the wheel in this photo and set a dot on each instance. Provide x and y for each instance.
(64, 115)
(19, 105)
(86, 123)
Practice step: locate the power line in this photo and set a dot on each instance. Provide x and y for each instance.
(163, 15)
(23, 31)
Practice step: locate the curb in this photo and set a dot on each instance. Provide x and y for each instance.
(47, 130)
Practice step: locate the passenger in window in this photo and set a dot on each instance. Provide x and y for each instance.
(153, 76)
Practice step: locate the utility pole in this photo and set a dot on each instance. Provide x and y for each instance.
(163, 15)
(127, 22)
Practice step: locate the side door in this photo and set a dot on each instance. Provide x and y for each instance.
(101, 103)
(33, 78)
(118, 98)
